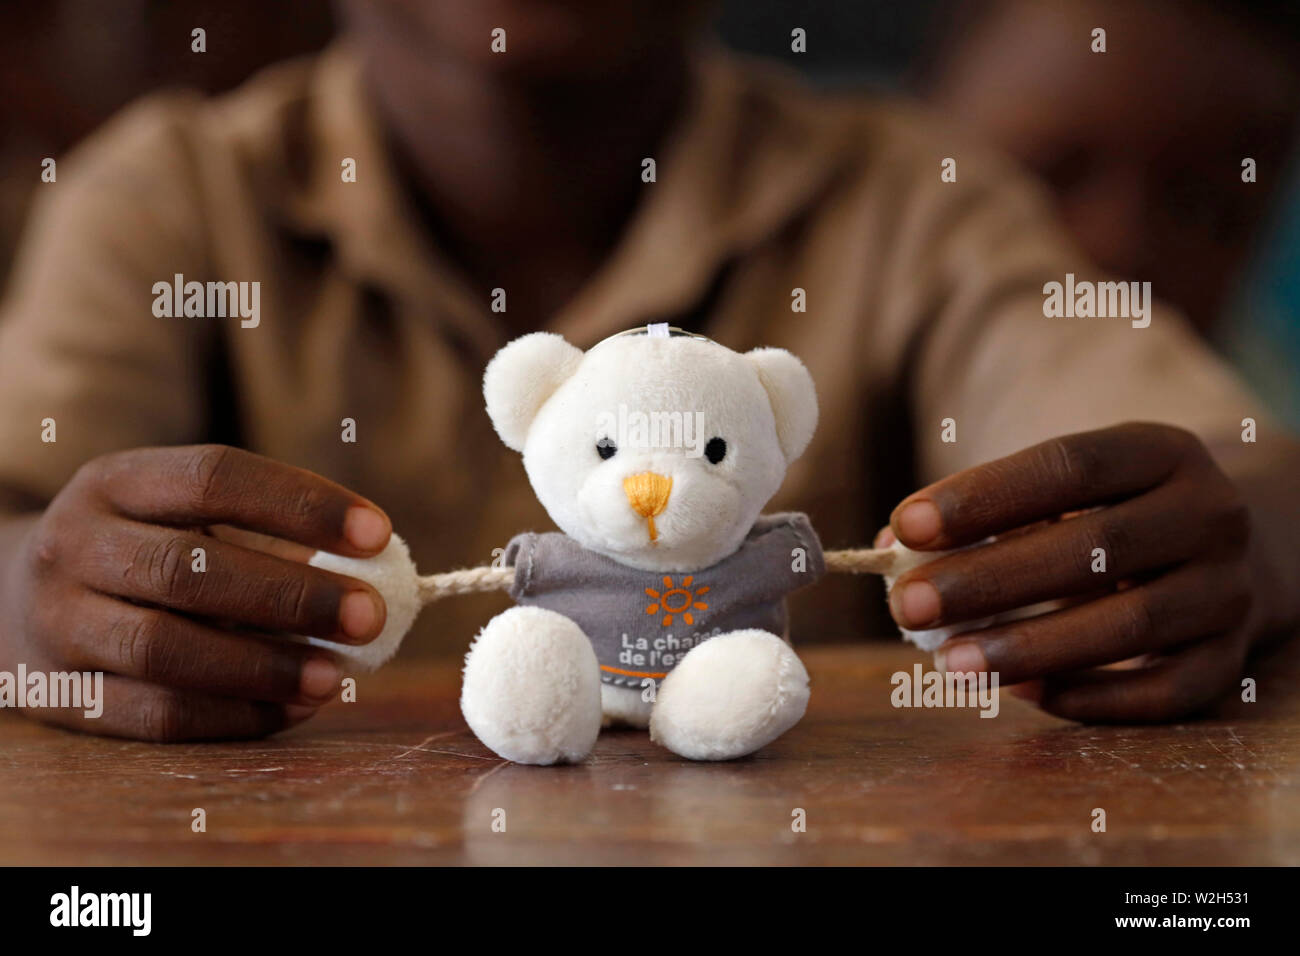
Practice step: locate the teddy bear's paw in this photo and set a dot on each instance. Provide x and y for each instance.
(532, 688)
(730, 696)
(392, 573)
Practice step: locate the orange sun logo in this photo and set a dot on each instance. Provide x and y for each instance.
(677, 600)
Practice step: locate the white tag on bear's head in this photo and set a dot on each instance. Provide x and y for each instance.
(657, 330)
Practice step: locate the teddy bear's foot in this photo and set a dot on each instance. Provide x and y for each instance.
(730, 696)
(532, 687)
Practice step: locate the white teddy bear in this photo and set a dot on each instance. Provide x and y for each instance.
(661, 601)
(654, 453)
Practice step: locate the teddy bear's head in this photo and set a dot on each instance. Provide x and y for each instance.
(656, 448)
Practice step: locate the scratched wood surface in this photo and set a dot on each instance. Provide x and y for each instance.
(398, 778)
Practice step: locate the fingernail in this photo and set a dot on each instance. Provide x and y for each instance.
(360, 615)
(964, 658)
(917, 603)
(320, 678)
(366, 528)
(884, 538)
(919, 522)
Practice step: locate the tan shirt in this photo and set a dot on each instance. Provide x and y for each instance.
(924, 303)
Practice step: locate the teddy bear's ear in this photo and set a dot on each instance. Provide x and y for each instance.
(794, 399)
(521, 377)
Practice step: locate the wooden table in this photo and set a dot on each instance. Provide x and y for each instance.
(397, 778)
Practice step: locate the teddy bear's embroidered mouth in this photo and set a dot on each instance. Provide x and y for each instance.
(648, 493)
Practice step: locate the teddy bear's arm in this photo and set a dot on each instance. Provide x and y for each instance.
(892, 562)
(434, 587)
(404, 590)
(895, 561)
(863, 561)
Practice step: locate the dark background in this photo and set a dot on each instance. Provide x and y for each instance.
(68, 65)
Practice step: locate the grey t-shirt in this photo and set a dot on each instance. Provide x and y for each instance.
(642, 623)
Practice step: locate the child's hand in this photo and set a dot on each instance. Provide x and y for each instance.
(107, 580)
(1176, 590)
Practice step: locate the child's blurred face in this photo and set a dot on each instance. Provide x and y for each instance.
(1143, 144)
(544, 38)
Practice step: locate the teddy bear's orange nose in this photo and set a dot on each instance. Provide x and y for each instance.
(648, 493)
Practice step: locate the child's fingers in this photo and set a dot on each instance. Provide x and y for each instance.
(211, 484)
(1175, 686)
(1188, 603)
(1064, 474)
(141, 711)
(159, 647)
(1056, 560)
(156, 565)
(254, 541)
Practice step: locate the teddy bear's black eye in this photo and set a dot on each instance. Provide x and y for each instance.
(715, 450)
(605, 448)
